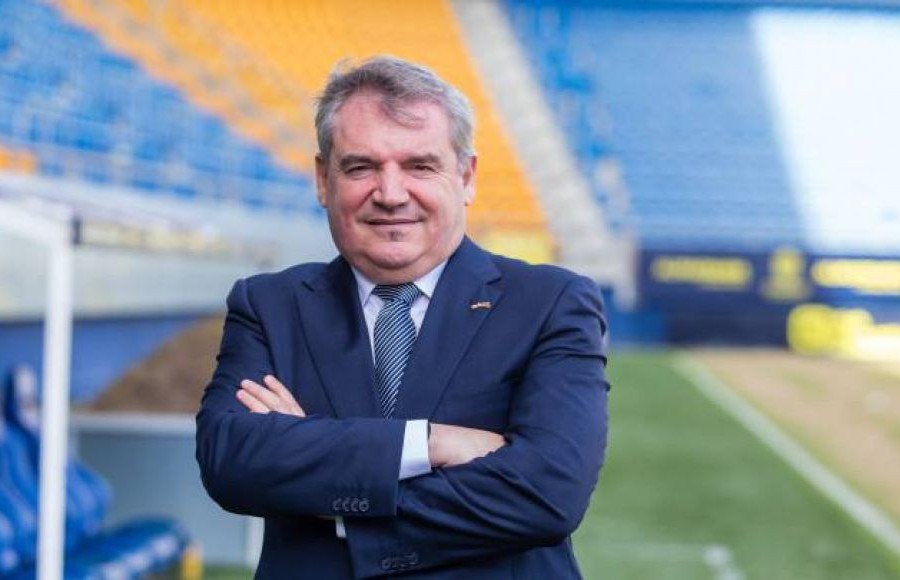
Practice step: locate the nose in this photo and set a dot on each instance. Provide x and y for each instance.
(390, 191)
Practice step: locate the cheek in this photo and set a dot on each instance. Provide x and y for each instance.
(454, 211)
(347, 203)
(342, 221)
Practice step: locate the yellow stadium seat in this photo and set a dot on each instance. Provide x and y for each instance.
(17, 161)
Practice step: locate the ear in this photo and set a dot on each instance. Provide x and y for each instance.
(469, 179)
(321, 181)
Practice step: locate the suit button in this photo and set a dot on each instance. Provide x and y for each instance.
(364, 505)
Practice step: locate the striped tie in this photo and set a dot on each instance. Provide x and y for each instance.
(395, 334)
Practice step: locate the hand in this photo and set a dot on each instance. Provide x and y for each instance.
(259, 399)
(452, 445)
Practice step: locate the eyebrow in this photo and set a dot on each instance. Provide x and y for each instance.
(428, 158)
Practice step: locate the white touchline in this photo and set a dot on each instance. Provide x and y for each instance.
(829, 484)
(717, 557)
(721, 562)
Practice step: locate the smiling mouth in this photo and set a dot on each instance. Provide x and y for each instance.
(391, 223)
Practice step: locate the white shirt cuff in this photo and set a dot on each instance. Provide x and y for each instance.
(414, 459)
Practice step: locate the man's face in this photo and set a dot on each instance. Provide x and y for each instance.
(395, 193)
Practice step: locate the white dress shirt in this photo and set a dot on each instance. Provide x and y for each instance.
(414, 456)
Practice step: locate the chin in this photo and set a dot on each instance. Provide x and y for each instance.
(394, 259)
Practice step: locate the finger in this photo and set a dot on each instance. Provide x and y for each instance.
(253, 404)
(267, 397)
(277, 387)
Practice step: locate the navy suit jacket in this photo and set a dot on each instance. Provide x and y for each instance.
(504, 346)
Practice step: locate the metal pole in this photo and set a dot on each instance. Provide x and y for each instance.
(55, 411)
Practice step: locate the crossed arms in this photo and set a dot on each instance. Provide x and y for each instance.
(448, 445)
(490, 494)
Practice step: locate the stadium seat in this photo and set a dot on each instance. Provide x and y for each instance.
(9, 530)
(87, 495)
(131, 550)
(14, 159)
(18, 503)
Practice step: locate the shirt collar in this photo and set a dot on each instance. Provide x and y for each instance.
(426, 284)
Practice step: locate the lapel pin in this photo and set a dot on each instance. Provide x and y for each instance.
(480, 305)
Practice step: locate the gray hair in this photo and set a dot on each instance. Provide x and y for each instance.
(399, 83)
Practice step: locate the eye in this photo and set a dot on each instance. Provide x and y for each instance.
(357, 170)
(422, 169)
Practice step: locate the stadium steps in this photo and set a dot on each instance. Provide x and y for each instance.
(270, 36)
(587, 242)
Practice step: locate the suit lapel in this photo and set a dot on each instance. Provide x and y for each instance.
(335, 332)
(450, 325)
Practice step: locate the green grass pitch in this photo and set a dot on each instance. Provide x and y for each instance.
(688, 494)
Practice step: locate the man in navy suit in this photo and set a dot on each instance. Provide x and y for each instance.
(418, 406)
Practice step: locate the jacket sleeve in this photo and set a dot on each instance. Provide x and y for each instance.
(276, 464)
(531, 492)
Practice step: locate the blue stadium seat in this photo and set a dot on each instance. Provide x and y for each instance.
(9, 558)
(18, 506)
(87, 495)
(132, 550)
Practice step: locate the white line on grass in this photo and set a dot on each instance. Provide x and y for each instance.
(829, 484)
(721, 562)
(718, 558)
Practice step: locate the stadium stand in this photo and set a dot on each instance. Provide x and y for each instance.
(756, 153)
(271, 78)
(133, 549)
(583, 230)
(178, 48)
(84, 111)
(675, 94)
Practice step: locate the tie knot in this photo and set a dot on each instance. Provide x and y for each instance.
(405, 293)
